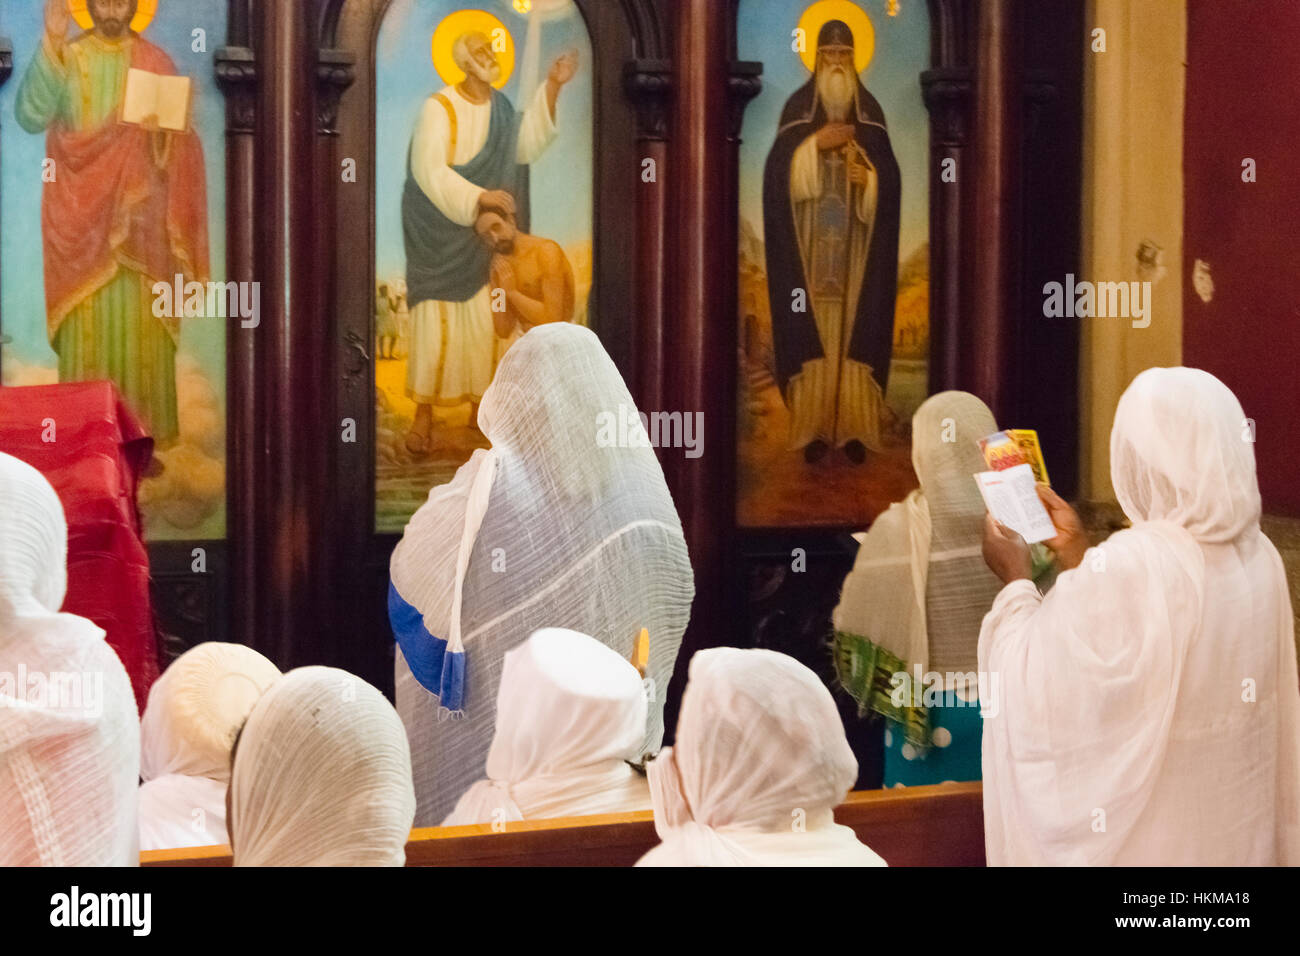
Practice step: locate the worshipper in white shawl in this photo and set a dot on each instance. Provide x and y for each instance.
(758, 767)
(1149, 711)
(321, 776)
(551, 526)
(69, 732)
(916, 595)
(570, 715)
(194, 713)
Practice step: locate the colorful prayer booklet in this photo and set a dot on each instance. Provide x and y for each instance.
(1012, 498)
(1015, 446)
(153, 94)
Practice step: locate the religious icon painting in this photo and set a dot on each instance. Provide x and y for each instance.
(112, 176)
(483, 199)
(834, 259)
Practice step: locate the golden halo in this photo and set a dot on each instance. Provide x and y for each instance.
(143, 14)
(815, 17)
(461, 22)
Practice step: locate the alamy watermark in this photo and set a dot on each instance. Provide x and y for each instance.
(70, 692)
(133, 911)
(1086, 300)
(179, 299)
(628, 428)
(951, 689)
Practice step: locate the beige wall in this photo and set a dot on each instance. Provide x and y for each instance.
(1132, 191)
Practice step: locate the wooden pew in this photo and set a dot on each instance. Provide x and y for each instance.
(917, 826)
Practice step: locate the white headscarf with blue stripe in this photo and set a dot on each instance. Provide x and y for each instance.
(565, 522)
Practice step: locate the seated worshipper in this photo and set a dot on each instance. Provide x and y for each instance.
(321, 776)
(759, 765)
(1147, 710)
(565, 521)
(570, 715)
(69, 731)
(914, 601)
(194, 712)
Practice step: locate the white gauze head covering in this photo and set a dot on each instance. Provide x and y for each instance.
(1181, 451)
(195, 711)
(69, 732)
(758, 767)
(197, 707)
(1092, 714)
(919, 586)
(322, 776)
(570, 714)
(565, 522)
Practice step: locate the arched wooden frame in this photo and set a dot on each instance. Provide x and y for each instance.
(1002, 91)
(630, 90)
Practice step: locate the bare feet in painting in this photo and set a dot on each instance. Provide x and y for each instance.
(855, 452)
(815, 451)
(418, 438)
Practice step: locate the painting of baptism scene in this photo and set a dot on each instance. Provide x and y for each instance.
(483, 218)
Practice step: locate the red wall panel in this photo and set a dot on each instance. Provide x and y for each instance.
(1243, 101)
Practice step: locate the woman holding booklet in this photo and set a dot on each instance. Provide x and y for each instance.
(1149, 710)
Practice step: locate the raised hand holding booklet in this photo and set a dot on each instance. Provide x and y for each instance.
(1012, 498)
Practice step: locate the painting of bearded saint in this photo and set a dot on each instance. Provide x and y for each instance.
(831, 198)
(834, 260)
(124, 207)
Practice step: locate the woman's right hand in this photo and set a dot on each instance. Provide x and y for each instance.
(1071, 539)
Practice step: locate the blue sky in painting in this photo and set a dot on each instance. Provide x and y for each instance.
(561, 179)
(893, 76)
(23, 301)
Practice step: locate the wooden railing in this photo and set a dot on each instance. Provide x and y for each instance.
(917, 826)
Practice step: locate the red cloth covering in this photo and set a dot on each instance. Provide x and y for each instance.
(95, 464)
(112, 204)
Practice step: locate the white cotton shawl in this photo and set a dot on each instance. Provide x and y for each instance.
(69, 732)
(1146, 711)
(564, 522)
(758, 767)
(322, 776)
(195, 711)
(177, 810)
(919, 585)
(570, 715)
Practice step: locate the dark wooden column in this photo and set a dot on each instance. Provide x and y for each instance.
(6, 68)
(946, 87)
(236, 67)
(702, 326)
(288, 548)
(649, 85)
(1046, 351)
(995, 207)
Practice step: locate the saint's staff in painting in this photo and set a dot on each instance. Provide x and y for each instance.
(831, 191)
(124, 207)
